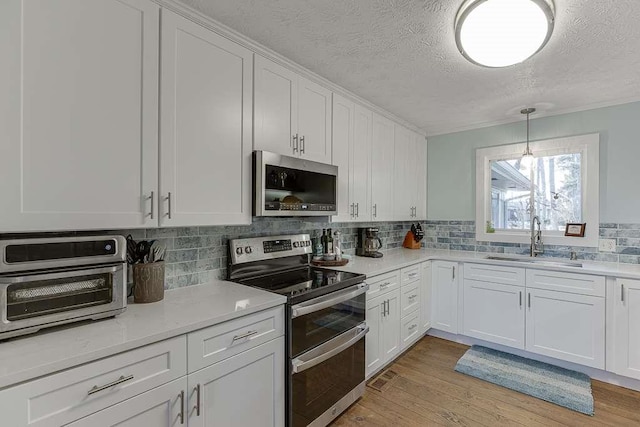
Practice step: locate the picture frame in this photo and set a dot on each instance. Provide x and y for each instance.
(575, 229)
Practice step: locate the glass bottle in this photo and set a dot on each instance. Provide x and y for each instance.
(337, 245)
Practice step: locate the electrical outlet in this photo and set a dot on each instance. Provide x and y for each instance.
(607, 245)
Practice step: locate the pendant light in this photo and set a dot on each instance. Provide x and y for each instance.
(527, 156)
(500, 33)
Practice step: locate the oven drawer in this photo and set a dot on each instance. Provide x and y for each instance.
(210, 345)
(69, 395)
(384, 283)
(410, 301)
(410, 274)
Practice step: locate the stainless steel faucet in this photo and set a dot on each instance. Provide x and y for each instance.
(537, 247)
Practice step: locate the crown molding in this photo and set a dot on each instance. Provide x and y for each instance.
(539, 115)
(236, 37)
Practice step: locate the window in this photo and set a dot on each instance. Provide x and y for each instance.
(560, 187)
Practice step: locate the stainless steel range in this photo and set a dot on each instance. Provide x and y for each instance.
(325, 325)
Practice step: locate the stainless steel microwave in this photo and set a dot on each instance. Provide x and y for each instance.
(291, 186)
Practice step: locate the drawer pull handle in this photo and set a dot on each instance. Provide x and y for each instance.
(122, 379)
(197, 408)
(412, 275)
(243, 336)
(412, 297)
(181, 407)
(384, 285)
(412, 327)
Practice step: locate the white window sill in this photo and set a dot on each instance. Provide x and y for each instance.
(590, 240)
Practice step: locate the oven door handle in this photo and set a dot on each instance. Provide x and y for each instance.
(320, 303)
(329, 349)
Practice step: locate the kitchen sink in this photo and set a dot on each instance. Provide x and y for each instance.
(536, 261)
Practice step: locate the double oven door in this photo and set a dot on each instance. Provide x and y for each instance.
(327, 352)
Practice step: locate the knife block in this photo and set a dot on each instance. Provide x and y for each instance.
(410, 242)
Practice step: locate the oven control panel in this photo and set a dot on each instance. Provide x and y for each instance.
(268, 247)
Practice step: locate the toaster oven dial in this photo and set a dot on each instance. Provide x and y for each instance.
(239, 251)
(296, 244)
(248, 250)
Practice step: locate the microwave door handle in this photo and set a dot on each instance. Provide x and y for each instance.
(324, 302)
(338, 344)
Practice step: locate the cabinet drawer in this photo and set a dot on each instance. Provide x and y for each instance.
(495, 274)
(213, 344)
(582, 284)
(67, 396)
(383, 283)
(410, 329)
(410, 301)
(410, 274)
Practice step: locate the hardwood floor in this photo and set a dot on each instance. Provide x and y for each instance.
(427, 391)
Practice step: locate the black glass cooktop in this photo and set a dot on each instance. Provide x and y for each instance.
(304, 283)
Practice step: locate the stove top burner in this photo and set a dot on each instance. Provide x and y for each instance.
(303, 281)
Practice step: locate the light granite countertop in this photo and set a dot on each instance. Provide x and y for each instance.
(182, 310)
(398, 258)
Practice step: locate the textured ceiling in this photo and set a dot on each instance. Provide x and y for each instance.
(401, 55)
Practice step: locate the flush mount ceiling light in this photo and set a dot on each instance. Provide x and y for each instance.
(499, 33)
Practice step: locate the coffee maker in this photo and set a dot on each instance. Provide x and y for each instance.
(369, 243)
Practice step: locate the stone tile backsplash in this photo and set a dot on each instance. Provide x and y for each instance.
(199, 254)
(460, 236)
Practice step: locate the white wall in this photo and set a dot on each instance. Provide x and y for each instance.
(451, 160)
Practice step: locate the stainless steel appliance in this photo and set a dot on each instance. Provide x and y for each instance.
(325, 324)
(369, 243)
(290, 186)
(48, 282)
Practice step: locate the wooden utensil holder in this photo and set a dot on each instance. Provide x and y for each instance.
(148, 282)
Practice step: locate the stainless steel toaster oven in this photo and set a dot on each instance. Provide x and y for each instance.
(52, 281)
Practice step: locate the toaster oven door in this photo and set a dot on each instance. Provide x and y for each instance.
(30, 300)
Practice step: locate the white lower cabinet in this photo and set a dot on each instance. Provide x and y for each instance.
(444, 304)
(155, 386)
(566, 326)
(243, 390)
(164, 406)
(625, 306)
(494, 312)
(383, 339)
(425, 297)
(410, 329)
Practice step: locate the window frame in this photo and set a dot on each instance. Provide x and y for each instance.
(589, 148)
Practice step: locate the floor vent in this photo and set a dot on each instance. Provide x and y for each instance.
(383, 381)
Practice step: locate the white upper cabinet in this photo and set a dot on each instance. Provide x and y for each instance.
(410, 175)
(342, 153)
(276, 107)
(361, 165)
(405, 183)
(314, 121)
(79, 114)
(205, 127)
(292, 114)
(382, 173)
(421, 176)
